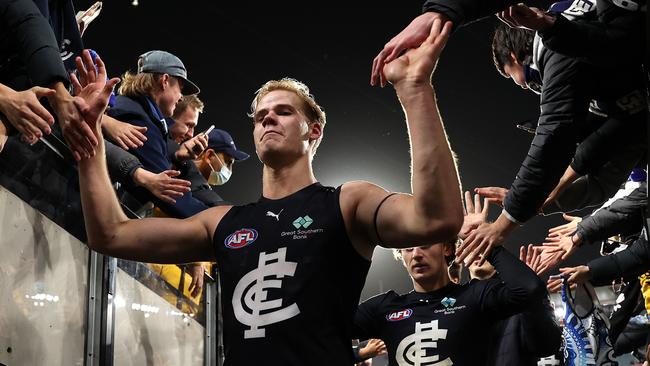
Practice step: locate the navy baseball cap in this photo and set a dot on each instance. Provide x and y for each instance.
(220, 140)
(162, 62)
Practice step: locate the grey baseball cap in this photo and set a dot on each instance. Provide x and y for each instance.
(163, 62)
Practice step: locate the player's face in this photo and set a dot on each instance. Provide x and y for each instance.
(281, 130)
(515, 71)
(426, 262)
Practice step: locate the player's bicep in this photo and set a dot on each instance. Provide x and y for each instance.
(167, 240)
(386, 218)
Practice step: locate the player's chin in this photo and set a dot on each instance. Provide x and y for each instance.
(421, 273)
(269, 153)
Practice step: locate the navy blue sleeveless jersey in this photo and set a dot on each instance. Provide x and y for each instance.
(449, 326)
(290, 280)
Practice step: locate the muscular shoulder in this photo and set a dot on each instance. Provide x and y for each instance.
(211, 218)
(358, 192)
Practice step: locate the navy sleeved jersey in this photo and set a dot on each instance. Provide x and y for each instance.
(448, 326)
(290, 280)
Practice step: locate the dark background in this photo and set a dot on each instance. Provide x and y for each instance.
(231, 50)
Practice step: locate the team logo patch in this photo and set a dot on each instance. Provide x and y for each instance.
(303, 222)
(399, 315)
(240, 238)
(420, 347)
(252, 302)
(448, 302)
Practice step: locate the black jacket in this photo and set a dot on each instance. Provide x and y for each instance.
(121, 164)
(633, 261)
(564, 105)
(524, 338)
(462, 12)
(593, 189)
(200, 188)
(623, 216)
(62, 18)
(29, 53)
(569, 85)
(613, 36)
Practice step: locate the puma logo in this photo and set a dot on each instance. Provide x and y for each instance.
(277, 216)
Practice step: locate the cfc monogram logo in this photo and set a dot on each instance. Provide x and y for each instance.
(249, 298)
(412, 350)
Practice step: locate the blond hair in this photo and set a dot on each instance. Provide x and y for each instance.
(311, 110)
(138, 85)
(455, 242)
(188, 101)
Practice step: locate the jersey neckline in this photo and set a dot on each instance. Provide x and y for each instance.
(436, 293)
(301, 191)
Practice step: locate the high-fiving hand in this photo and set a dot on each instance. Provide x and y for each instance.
(92, 90)
(417, 64)
(411, 37)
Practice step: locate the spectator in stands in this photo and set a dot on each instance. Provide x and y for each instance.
(185, 118)
(179, 142)
(146, 99)
(32, 58)
(624, 215)
(23, 111)
(216, 163)
(567, 87)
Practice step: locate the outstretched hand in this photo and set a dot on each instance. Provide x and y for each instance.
(91, 88)
(475, 215)
(494, 195)
(522, 16)
(411, 37)
(197, 273)
(25, 112)
(560, 243)
(163, 185)
(375, 347)
(481, 240)
(417, 64)
(530, 256)
(566, 229)
(125, 135)
(576, 275)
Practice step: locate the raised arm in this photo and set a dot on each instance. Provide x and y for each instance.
(517, 289)
(462, 12)
(433, 213)
(160, 240)
(459, 12)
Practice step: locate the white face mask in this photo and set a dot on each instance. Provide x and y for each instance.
(220, 177)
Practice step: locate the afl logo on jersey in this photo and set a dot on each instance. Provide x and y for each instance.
(399, 315)
(240, 238)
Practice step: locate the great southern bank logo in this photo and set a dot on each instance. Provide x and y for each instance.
(399, 315)
(448, 302)
(240, 238)
(303, 222)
